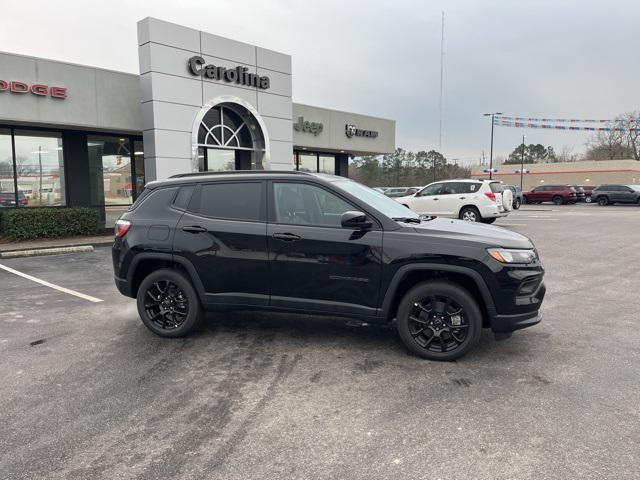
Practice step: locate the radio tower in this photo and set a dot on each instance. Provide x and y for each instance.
(441, 78)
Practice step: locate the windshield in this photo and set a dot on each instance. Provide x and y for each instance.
(377, 200)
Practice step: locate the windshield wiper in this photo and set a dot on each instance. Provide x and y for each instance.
(406, 219)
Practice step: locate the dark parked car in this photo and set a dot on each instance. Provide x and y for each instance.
(581, 196)
(588, 190)
(558, 194)
(319, 244)
(395, 192)
(8, 199)
(517, 196)
(610, 194)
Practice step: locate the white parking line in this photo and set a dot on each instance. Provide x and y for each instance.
(51, 285)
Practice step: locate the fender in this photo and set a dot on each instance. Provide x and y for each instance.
(431, 267)
(188, 266)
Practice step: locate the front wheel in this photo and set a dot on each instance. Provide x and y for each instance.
(557, 200)
(168, 304)
(516, 204)
(470, 214)
(439, 320)
(587, 199)
(603, 201)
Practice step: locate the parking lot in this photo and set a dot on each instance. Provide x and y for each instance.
(89, 392)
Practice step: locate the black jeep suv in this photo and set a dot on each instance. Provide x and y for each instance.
(319, 244)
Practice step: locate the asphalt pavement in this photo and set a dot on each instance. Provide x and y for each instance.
(88, 393)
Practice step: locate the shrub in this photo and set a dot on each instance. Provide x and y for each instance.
(30, 223)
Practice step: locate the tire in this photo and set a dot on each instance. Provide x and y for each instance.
(603, 201)
(470, 214)
(425, 319)
(587, 199)
(171, 292)
(557, 200)
(525, 201)
(507, 200)
(516, 204)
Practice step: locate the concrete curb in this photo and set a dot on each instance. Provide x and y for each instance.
(46, 251)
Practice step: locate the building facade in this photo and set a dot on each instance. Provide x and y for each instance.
(625, 172)
(83, 136)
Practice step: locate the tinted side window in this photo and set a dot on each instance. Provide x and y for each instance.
(155, 202)
(182, 198)
(304, 204)
(433, 189)
(232, 201)
(470, 187)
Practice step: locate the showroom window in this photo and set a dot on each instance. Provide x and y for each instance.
(39, 168)
(315, 162)
(7, 179)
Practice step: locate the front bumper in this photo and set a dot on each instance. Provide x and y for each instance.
(502, 324)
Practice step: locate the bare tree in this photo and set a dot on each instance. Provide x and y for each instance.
(630, 124)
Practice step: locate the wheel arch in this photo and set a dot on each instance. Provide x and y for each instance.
(468, 205)
(409, 275)
(145, 263)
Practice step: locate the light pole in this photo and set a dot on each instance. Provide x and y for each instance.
(491, 151)
(522, 163)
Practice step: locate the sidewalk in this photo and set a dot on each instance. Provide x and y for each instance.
(98, 240)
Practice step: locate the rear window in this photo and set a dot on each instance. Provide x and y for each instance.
(496, 187)
(231, 201)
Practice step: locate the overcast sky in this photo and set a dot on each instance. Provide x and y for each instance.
(572, 58)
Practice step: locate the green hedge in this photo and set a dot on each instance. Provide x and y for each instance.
(30, 223)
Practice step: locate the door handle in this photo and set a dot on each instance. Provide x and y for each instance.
(435, 199)
(194, 229)
(462, 198)
(286, 237)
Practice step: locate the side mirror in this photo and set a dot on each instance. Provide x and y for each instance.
(353, 219)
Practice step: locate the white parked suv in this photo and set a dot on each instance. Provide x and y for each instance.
(471, 200)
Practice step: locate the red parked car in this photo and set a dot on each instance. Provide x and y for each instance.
(558, 194)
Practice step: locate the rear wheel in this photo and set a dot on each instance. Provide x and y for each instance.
(603, 201)
(439, 320)
(587, 199)
(516, 204)
(557, 200)
(168, 304)
(470, 214)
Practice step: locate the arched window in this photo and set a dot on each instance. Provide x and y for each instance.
(226, 126)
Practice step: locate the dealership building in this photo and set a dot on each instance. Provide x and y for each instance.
(82, 136)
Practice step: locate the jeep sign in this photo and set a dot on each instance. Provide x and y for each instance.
(305, 126)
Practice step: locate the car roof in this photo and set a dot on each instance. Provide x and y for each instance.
(196, 177)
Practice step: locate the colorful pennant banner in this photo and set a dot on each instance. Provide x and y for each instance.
(517, 124)
(550, 120)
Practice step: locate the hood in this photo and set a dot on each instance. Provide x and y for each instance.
(489, 235)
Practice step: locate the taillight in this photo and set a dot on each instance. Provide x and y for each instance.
(122, 227)
(491, 196)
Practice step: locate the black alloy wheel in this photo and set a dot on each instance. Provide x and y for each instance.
(603, 201)
(516, 204)
(557, 200)
(168, 304)
(439, 321)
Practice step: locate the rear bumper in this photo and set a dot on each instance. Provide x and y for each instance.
(492, 211)
(123, 286)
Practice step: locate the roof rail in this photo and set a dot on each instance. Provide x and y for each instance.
(232, 172)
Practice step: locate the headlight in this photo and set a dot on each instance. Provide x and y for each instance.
(510, 255)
